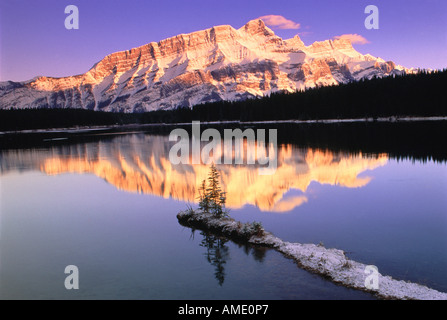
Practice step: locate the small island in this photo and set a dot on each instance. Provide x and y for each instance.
(333, 264)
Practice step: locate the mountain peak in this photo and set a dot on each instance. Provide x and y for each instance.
(295, 42)
(342, 43)
(257, 27)
(219, 63)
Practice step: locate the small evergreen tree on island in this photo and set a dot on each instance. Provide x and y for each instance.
(212, 202)
(211, 198)
(204, 201)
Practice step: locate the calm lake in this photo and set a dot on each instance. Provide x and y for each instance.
(106, 202)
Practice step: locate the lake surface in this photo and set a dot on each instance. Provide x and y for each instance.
(107, 203)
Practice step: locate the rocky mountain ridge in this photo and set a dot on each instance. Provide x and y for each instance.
(220, 63)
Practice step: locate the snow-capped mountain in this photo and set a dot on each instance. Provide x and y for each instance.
(220, 63)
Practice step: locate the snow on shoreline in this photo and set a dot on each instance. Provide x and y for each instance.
(330, 263)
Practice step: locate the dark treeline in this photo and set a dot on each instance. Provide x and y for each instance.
(409, 95)
(57, 118)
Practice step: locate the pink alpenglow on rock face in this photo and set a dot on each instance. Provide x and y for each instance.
(219, 63)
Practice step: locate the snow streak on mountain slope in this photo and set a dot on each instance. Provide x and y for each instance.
(220, 63)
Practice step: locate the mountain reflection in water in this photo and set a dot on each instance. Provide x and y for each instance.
(140, 163)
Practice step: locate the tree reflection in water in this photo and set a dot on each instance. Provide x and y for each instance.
(218, 252)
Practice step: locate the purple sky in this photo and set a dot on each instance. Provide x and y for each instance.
(34, 41)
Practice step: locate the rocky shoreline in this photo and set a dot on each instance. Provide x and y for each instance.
(329, 263)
